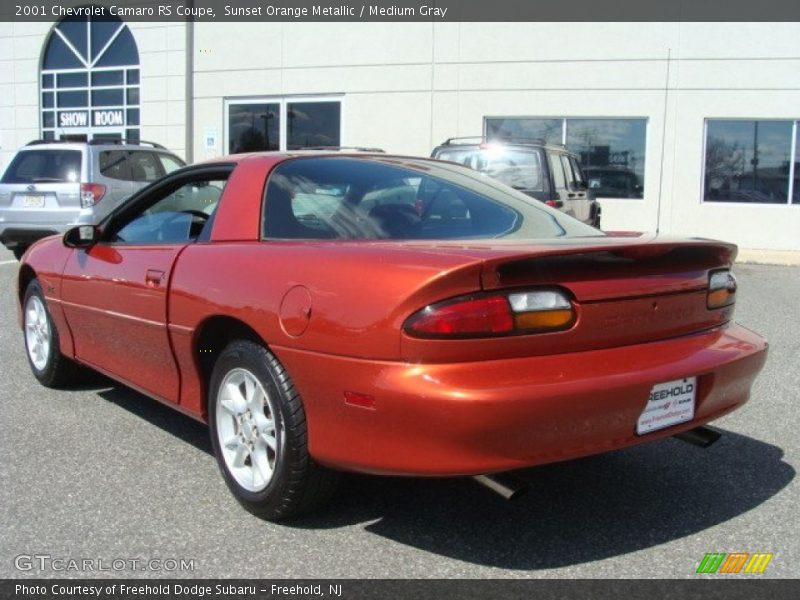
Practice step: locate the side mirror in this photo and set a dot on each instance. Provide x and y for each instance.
(82, 236)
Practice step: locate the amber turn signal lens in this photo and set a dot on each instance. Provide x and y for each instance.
(721, 289)
(545, 319)
(720, 298)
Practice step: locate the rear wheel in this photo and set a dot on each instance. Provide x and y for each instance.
(48, 364)
(258, 431)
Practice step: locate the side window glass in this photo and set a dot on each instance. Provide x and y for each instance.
(114, 164)
(577, 172)
(169, 163)
(350, 199)
(557, 168)
(144, 166)
(314, 206)
(177, 217)
(571, 179)
(402, 192)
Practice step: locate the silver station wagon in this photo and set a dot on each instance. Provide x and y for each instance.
(50, 186)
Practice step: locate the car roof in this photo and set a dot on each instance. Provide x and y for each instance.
(53, 146)
(281, 155)
(96, 143)
(484, 144)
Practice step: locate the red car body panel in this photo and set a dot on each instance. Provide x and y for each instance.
(333, 314)
(487, 416)
(125, 293)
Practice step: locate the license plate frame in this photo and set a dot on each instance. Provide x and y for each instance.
(33, 200)
(669, 403)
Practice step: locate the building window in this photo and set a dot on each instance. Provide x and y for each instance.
(253, 127)
(282, 123)
(611, 151)
(751, 161)
(90, 80)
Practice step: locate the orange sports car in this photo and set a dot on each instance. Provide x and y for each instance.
(329, 312)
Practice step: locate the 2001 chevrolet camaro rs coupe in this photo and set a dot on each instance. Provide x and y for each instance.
(326, 312)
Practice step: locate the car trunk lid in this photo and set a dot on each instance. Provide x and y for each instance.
(625, 290)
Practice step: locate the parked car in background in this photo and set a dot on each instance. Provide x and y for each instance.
(547, 172)
(613, 182)
(388, 315)
(50, 186)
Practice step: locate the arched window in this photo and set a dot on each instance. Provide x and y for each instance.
(90, 80)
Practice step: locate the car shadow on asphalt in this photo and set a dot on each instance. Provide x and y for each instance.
(574, 512)
(168, 419)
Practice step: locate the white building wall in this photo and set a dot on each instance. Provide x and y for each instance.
(162, 58)
(20, 55)
(408, 86)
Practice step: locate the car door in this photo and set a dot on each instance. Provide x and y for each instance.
(115, 294)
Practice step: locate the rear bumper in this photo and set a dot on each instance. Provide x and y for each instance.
(481, 417)
(23, 227)
(12, 236)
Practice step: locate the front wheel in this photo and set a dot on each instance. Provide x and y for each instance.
(48, 364)
(258, 432)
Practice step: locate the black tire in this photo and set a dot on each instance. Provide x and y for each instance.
(19, 251)
(57, 370)
(297, 484)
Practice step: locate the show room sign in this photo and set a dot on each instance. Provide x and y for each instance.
(100, 118)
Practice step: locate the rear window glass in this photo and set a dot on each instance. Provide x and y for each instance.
(411, 199)
(520, 169)
(44, 166)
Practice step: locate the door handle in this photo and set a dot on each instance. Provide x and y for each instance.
(153, 277)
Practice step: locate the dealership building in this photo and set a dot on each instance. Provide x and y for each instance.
(685, 128)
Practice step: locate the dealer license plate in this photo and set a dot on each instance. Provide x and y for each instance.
(670, 403)
(33, 201)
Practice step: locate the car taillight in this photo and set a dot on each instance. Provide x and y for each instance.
(493, 315)
(91, 194)
(721, 289)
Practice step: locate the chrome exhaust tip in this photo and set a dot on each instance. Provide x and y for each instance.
(701, 436)
(507, 485)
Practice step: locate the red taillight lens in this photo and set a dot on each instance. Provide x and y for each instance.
(490, 315)
(91, 194)
(475, 316)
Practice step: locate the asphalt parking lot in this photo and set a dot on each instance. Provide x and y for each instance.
(102, 472)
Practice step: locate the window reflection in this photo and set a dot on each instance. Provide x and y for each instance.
(611, 151)
(312, 124)
(748, 161)
(547, 130)
(257, 126)
(253, 127)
